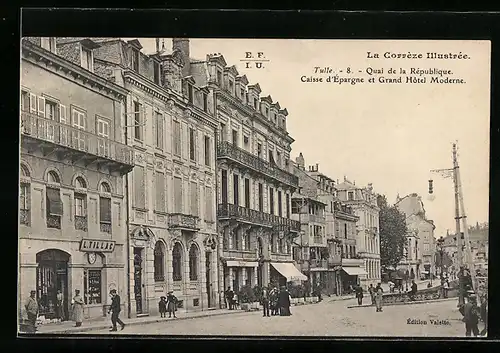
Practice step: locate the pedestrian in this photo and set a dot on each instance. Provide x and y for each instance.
(284, 302)
(445, 289)
(413, 290)
(77, 308)
(31, 307)
(273, 296)
(371, 290)
(265, 302)
(229, 298)
(391, 286)
(378, 297)
(162, 306)
(60, 306)
(483, 311)
(171, 304)
(359, 294)
(115, 309)
(470, 311)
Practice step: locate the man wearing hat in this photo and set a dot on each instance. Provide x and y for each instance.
(31, 307)
(171, 303)
(470, 311)
(115, 308)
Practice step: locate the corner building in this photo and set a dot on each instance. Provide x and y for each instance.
(72, 231)
(172, 215)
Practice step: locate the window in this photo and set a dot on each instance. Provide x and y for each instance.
(25, 101)
(287, 206)
(194, 199)
(178, 195)
(205, 102)
(280, 204)
(156, 73)
(190, 92)
(261, 197)
(350, 196)
(282, 245)
(138, 121)
(273, 243)
(255, 101)
(87, 60)
(271, 200)
(24, 203)
(224, 187)
(278, 158)
(219, 77)
(192, 144)
(177, 138)
(193, 263)
(247, 241)
(81, 211)
(50, 110)
(207, 150)
(246, 141)
(295, 207)
(177, 262)
(271, 158)
(159, 261)
(235, 137)
(242, 92)
(105, 214)
(159, 130)
(160, 192)
(139, 188)
(103, 143)
(426, 247)
(259, 150)
(208, 205)
(247, 193)
(135, 60)
(231, 86)
(222, 132)
(54, 205)
(345, 230)
(92, 284)
(236, 187)
(48, 43)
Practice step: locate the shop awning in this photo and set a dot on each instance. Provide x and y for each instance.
(354, 271)
(232, 263)
(289, 271)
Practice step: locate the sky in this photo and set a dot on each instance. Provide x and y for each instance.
(390, 135)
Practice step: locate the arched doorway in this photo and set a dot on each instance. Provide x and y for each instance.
(51, 277)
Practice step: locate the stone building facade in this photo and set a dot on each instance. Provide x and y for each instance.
(171, 210)
(363, 201)
(72, 232)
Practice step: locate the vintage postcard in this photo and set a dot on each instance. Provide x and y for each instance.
(269, 187)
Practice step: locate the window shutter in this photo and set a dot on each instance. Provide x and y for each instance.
(105, 208)
(33, 103)
(178, 194)
(62, 114)
(160, 192)
(41, 106)
(161, 130)
(194, 199)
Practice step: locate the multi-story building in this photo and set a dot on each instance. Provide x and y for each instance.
(72, 233)
(255, 183)
(421, 244)
(363, 201)
(171, 127)
(478, 237)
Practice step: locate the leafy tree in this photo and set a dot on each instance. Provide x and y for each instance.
(392, 234)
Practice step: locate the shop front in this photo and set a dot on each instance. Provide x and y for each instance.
(350, 277)
(284, 272)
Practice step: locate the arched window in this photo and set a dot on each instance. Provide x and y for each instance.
(24, 197)
(80, 183)
(159, 260)
(193, 263)
(177, 262)
(105, 187)
(25, 171)
(52, 177)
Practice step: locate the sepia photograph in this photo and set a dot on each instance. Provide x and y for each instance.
(253, 187)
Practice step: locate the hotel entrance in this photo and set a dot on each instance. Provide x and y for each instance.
(52, 276)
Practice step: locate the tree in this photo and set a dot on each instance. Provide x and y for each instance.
(392, 234)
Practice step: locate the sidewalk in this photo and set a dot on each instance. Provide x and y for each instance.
(404, 303)
(105, 323)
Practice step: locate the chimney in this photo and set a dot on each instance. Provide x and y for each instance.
(317, 166)
(300, 161)
(182, 44)
(157, 40)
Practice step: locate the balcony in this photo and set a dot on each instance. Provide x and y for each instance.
(230, 151)
(183, 221)
(334, 260)
(24, 217)
(105, 227)
(241, 254)
(70, 142)
(318, 263)
(81, 223)
(312, 218)
(247, 215)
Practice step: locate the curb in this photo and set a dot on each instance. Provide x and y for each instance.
(134, 323)
(403, 303)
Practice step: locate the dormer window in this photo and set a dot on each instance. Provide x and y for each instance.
(219, 77)
(205, 102)
(255, 103)
(190, 93)
(135, 60)
(231, 86)
(156, 72)
(267, 111)
(87, 59)
(48, 43)
(242, 93)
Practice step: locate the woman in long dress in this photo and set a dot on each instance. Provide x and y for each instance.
(78, 308)
(171, 304)
(378, 297)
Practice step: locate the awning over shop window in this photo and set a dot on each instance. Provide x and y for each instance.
(242, 263)
(354, 271)
(289, 271)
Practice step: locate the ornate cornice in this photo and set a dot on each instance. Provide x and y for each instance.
(62, 67)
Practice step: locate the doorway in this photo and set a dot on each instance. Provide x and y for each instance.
(138, 285)
(51, 277)
(208, 272)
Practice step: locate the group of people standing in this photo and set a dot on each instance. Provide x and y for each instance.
(376, 294)
(276, 301)
(168, 305)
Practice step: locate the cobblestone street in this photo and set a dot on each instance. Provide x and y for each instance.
(328, 318)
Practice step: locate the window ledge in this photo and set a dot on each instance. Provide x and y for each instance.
(163, 213)
(140, 209)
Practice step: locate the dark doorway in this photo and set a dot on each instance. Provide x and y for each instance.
(52, 276)
(224, 187)
(138, 261)
(208, 272)
(236, 280)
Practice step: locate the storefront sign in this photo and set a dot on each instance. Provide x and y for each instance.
(89, 245)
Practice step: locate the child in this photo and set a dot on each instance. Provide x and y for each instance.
(162, 306)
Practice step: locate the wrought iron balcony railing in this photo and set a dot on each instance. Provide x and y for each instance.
(53, 221)
(24, 217)
(81, 223)
(105, 227)
(184, 221)
(228, 150)
(70, 137)
(257, 217)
